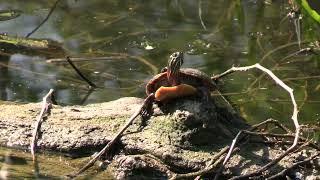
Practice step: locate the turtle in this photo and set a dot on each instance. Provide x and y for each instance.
(174, 81)
(173, 75)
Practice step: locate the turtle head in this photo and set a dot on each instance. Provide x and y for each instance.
(174, 64)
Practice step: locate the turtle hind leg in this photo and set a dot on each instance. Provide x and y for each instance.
(205, 96)
(204, 93)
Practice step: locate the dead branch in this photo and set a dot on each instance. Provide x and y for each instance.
(294, 118)
(140, 111)
(273, 121)
(45, 112)
(268, 134)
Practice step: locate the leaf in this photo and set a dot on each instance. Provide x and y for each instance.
(310, 10)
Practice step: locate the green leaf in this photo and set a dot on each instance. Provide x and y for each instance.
(312, 12)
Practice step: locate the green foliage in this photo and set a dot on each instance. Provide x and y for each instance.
(308, 9)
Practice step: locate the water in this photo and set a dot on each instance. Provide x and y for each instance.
(17, 164)
(136, 38)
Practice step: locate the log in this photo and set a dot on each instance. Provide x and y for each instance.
(181, 136)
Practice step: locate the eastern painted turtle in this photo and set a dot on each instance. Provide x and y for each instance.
(175, 81)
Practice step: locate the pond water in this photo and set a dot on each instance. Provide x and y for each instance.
(122, 44)
(18, 164)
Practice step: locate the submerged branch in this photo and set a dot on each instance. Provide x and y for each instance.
(45, 19)
(79, 73)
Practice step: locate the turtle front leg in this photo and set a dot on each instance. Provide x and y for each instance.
(165, 69)
(146, 110)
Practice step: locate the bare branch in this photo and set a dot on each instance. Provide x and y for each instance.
(294, 117)
(140, 111)
(45, 112)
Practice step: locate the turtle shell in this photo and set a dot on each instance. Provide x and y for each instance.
(188, 76)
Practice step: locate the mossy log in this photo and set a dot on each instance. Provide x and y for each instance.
(180, 137)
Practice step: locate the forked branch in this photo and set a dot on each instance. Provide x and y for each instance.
(45, 112)
(294, 118)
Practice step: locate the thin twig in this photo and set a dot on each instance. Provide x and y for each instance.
(277, 142)
(269, 134)
(83, 59)
(228, 156)
(146, 102)
(212, 165)
(295, 54)
(200, 14)
(271, 163)
(79, 73)
(303, 139)
(45, 19)
(286, 170)
(280, 48)
(296, 22)
(45, 112)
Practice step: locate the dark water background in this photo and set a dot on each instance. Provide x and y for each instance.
(136, 38)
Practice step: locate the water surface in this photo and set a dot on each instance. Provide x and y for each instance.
(136, 37)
